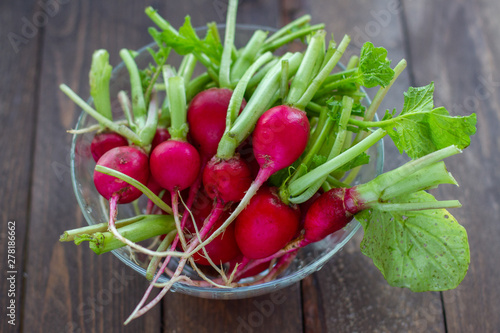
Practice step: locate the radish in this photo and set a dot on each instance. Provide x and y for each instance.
(206, 116)
(105, 141)
(175, 164)
(266, 225)
(131, 161)
(161, 135)
(227, 180)
(222, 249)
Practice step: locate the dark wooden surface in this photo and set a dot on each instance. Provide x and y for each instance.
(63, 288)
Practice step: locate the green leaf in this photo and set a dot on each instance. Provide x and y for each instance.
(421, 250)
(374, 67)
(420, 99)
(421, 133)
(187, 41)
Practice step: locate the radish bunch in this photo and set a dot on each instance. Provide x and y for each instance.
(255, 158)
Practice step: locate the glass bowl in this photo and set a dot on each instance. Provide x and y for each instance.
(95, 209)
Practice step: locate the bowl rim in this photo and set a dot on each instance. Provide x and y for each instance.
(237, 292)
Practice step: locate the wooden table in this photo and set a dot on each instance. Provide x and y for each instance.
(64, 288)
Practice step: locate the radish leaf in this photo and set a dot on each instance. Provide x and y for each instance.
(187, 41)
(423, 250)
(421, 129)
(374, 67)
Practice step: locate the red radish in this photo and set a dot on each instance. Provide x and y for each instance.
(131, 161)
(280, 137)
(266, 225)
(200, 209)
(227, 180)
(331, 212)
(304, 207)
(161, 135)
(221, 249)
(105, 141)
(206, 116)
(175, 164)
(246, 153)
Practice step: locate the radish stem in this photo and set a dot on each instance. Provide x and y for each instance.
(225, 65)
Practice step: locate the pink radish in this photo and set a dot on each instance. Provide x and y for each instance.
(206, 116)
(227, 180)
(175, 164)
(266, 225)
(221, 249)
(105, 141)
(161, 135)
(332, 211)
(131, 161)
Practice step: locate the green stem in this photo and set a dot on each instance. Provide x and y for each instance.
(69, 235)
(278, 42)
(285, 68)
(115, 127)
(377, 100)
(314, 109)
(138, 102)
(187, 67)
(156, 74)
(395, 180)
(100, 74)
(138, 185)
(410, 206)
(301, 184)
(424, 179)
(177, 103)
(247, 55)
(147, 132)
(150, 226)
(316, 145)
(214, 30)
(225, 65)
(239, 91)
(347, 103)
(289, 27)
(334, 151)
(196, 85)
(323, 74)
(256, 106)
(353, 62)
(334, 182)
(125, 105)
(301, 80)
(158, 20)
(255, 80)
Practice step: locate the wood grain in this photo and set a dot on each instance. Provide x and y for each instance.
(456, 44)
(19, 66)
(349, 294)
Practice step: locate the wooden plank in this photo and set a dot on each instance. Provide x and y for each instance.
(69, 288)
(456, 44)
(277, 312)
(20, 46)
(349, 294)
